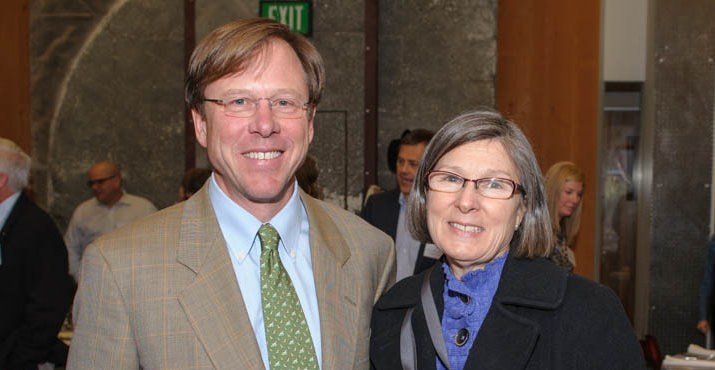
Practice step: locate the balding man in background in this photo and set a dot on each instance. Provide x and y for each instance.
(111, 207)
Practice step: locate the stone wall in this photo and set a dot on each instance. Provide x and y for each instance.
(681, 88)
(108, 78)
(107, 84)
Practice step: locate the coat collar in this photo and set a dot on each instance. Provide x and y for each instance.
(524, 282)
(324, 229)
(535, 283)
(338, 297)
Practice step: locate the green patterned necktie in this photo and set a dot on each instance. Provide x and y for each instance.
(288, 339)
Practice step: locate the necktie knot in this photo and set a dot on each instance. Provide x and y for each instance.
(269, 237)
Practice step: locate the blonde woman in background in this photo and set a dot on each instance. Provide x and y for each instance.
(564, 191)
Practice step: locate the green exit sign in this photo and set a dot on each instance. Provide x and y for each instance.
(294, 14)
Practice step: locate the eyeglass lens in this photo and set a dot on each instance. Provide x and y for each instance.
(101, 181)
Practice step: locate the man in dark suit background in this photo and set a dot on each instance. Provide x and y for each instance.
(386, 210)
(35, 285)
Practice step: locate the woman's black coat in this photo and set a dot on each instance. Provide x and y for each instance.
(542, 317)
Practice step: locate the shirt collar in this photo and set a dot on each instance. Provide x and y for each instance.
(240, 227)
(6, 207)
(123, 201)
(402, 199)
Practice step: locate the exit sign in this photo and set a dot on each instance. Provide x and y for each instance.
(294, 14)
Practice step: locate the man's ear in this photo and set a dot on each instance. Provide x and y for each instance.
(4, 179)
(199, 126)
(311, 119)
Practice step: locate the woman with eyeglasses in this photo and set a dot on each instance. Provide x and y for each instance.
(494, 302)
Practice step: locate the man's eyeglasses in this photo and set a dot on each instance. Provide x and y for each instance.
(243, 107)
(490, 187)
(101, 181)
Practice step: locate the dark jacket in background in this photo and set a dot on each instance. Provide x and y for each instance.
(542, 317)
(35, 287)
(382, 210)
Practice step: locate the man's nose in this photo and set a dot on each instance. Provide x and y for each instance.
(264, 124)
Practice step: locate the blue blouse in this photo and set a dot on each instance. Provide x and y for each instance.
(466, 303)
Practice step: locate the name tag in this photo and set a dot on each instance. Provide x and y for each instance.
(431, 251)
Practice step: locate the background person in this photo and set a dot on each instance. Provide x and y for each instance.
(705, 305)
(35, 287)
(493, 302)
(192, 181)
(110, 208)
(386, 210)
(307, 177)
(564, 192)
(201, 284)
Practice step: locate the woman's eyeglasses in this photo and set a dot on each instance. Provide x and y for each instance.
(490, 187)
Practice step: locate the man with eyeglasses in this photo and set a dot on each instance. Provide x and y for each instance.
(110, 208)
(387, 210)
(250, 272)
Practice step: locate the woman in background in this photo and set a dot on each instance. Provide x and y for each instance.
(564, 191)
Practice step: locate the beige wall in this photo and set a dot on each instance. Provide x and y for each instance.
(624, 40)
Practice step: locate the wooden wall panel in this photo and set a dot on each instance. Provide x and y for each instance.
(15, 73)
(548, 83)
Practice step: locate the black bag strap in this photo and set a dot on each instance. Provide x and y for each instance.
(408, 347)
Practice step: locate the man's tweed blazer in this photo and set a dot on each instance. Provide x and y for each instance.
(161, 293)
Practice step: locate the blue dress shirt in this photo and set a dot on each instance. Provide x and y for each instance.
(406, 248)
(240, 230)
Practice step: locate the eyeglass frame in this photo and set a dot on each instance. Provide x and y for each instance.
(515, 185)
(224, 102)
(101, 181)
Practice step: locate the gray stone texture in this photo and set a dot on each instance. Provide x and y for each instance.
(107, 79)
(107, 83)
(683, 85)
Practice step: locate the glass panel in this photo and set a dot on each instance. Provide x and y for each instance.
(621, 125)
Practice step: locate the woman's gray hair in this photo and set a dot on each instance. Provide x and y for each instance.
(15, 163)
(533, 238)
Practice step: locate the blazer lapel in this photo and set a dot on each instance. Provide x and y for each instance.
(213, 302)
(392, 213)
(337, 295)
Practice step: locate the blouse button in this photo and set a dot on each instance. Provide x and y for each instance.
(462, 336)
